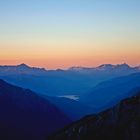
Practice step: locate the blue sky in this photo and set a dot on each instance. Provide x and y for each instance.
(60, 24)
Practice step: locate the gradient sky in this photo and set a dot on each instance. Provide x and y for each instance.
(63, 33)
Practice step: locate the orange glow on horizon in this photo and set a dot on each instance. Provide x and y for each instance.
(64, 64)
(53, 56)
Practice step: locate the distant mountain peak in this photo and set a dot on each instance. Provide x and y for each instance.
(23, 65)
(21, 69)
(124, 65)
(110, 66)
(106, 66)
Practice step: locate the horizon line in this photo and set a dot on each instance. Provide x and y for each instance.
(72, 66)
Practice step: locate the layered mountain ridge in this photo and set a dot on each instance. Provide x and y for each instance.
(26, 116)
(74, 81)
(111, 91)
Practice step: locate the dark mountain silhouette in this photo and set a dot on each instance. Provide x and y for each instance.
(121, 122)
(110, 92)
(26, 116)
(74, 81)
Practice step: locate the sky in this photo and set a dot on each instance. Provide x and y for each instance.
(64, 33)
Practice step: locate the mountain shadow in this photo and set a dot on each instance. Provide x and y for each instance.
(26, 116)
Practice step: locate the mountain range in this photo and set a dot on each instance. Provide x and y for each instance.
(25, 69)
(35, 102)
(21, 69)
(73, 81)
(118, 68)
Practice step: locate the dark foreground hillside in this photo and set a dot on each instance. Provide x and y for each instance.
(26, 116)
(122, 122)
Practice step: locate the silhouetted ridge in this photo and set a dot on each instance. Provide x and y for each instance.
(26, 116)
(121, 122)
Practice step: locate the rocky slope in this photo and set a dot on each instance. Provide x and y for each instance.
(121, 122)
